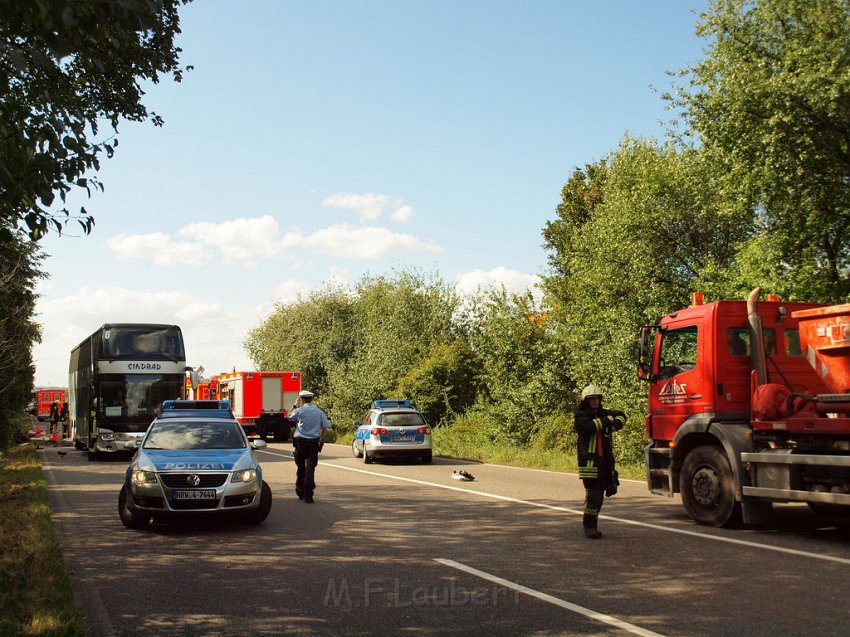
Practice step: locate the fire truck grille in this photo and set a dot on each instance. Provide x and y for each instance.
(181, 480)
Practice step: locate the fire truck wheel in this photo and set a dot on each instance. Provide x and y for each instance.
(130, 517)
(708, 491)
(357, 452)
(262, 512)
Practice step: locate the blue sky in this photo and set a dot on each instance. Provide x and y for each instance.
(318, 141)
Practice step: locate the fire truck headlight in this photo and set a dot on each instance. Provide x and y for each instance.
(142, 477)
(106, 434)
(247, 475)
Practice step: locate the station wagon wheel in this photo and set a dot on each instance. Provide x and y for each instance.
(366, 457)
(130, 517)
(357, 452)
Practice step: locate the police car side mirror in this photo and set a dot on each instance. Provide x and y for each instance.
(135, 443)
(259, 444)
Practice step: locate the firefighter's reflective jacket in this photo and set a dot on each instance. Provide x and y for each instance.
(595, 452)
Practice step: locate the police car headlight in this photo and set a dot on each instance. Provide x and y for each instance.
(142, 477)
(247, 475)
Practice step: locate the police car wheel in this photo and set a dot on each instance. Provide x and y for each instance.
(262, 512)
(426, 458)
(366, 457)
(357, 452)
(130, 517)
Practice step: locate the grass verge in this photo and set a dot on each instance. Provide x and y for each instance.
(36, 597)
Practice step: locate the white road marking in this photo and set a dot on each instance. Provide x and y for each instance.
(541, 505)
(581, 610)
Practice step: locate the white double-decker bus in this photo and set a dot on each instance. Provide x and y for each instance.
(118, 378)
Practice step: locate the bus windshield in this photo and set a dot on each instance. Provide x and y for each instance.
(131, 400)
(143, 342)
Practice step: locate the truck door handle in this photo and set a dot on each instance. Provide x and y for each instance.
(694, 396)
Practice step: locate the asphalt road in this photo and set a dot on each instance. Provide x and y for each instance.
(402, 548)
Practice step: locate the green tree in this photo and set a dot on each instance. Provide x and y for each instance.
(771, 102)
(659, 230)
(524, 367)
(444, 383)
(314, 335)
(66, 68)
(19, 271)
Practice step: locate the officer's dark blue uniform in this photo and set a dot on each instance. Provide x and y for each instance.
(310, 426)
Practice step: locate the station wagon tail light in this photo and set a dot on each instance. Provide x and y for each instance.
(424, 430)
(378, 431)
(248, 475)
(140, 477)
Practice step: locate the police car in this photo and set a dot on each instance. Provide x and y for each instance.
(392, 428)
(194, 458)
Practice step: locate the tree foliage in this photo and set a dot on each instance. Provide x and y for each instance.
(19, 271)
(771, 102)
(66, 68)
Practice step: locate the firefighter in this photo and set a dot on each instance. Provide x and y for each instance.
(596, 467)
(310, 423)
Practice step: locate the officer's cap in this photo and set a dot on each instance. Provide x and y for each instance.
(305, 394)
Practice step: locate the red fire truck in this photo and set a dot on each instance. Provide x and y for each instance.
(260, 400)
(749, 404)
(44, 397)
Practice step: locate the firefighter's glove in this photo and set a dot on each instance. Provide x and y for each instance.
(611, 489)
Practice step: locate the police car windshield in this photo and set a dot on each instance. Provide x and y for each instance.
(402, 420)
(195, 435)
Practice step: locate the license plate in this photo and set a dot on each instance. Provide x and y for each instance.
(193, 495)
(402, 438)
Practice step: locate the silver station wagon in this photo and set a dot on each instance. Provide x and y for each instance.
(194, 459)
(392, 428)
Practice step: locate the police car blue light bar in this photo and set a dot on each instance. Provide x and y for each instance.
(387, 404)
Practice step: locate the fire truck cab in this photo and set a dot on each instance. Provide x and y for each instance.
(749, 404)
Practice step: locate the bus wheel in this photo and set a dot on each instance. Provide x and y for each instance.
(707, 488)
(130, 517)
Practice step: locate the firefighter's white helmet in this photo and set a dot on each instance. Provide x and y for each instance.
(591, 390)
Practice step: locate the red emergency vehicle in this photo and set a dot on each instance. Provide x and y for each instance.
(44, 397)
(749, 404)
(260, 400)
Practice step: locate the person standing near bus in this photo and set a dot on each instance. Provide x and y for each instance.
(54, 418)
(311, 423)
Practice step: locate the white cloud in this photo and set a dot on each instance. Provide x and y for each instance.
(158, 248)
(238, 240)
(351, 242)
(403, 214)
(513, 281)
(288, 291)
(370, 206)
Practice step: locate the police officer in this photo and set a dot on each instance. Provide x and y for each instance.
(594, 426)
(310, 425)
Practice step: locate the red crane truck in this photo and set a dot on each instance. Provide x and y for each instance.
(749, 404)
(260, 400)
